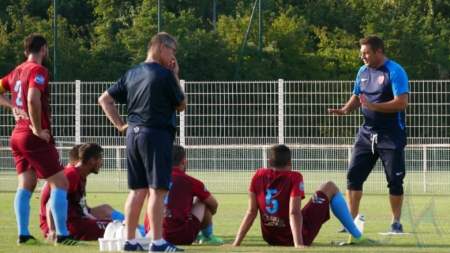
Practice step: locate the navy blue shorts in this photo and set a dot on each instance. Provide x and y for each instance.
(389, 147)
(149, 157)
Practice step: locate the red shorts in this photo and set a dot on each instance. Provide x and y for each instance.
(315, 213)
(29, 151)
(83, 229)
(185, 236)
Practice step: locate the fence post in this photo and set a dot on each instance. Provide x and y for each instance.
(280, 111)
(424, 168)
(77, 112)
(264, 157)
(118, 167)
(182, 118)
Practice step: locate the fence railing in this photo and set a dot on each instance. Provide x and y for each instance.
(239, 120)
(230, 168)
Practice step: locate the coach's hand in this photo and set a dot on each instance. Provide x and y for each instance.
(123, 128)
(44, 134)
(338, 111)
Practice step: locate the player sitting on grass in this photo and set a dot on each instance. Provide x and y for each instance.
(189, 207)
(277, 194)
(83, 223)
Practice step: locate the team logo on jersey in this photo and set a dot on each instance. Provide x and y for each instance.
(317, 200)
(39, 79)
(136, 129)
(380, 79)
(302, 188)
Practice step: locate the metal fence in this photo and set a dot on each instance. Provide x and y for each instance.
(228, 127)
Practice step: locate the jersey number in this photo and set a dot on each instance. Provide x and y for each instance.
(18, 89)
(270, 200)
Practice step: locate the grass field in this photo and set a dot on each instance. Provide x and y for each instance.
(430, 235)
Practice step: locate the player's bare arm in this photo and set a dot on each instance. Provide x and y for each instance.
(107, 103)
(4, 101)
(296, 221)
(250, 216)
(352, 104)
(399, 103)
(34, 109)
(212, 204)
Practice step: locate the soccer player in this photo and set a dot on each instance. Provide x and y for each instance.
(277, 194)
(152, 94)
(189, 207)
(83, 222)
(381, 87)
(33, 146)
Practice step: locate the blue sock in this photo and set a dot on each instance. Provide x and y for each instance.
(142, 230)
(22, 209)
(116, 215)
(58, 205)
(340, 210)
(207, 232)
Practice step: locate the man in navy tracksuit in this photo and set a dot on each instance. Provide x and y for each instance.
(381, 87)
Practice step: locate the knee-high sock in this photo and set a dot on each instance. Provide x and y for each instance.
(58, 205)
(207, 232)
(340, 210)
(116, 215)
(22, 209)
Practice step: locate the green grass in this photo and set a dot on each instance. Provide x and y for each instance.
(232, 209)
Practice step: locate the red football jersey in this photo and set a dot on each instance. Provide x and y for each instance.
(24, 77)
(76, 196)
(178, 203)
(273, 190)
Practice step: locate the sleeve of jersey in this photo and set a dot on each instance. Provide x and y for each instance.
(118, 91)
(252, 183)
(74, 179)
(356, 90)
(298, 187)
(175, 94)
(4, 85)
(38, 78)
(200, 189)
(399, 81)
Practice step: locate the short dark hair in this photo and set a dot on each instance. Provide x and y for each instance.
(88, 151)
(280, 155)
(374, 42)
(73, 154)
(34, 43)
(178, 154)
(161, 38)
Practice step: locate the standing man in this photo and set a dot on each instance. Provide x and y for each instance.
(33, 146)
(277, 194)
(189, 207)
(153, 94)
(381, 87)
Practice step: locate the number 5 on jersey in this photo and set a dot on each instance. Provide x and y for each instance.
(270, 201)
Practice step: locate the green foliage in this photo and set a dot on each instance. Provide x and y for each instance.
(101, 39)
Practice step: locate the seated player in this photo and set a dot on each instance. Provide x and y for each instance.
(189, 207)
(83, 223)
(277, 194)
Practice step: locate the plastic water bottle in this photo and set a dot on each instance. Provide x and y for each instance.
(359, 222)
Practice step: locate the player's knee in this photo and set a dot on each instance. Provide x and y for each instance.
(396, 190)
(354, 186)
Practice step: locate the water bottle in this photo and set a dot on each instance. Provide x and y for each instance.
(359, 222)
